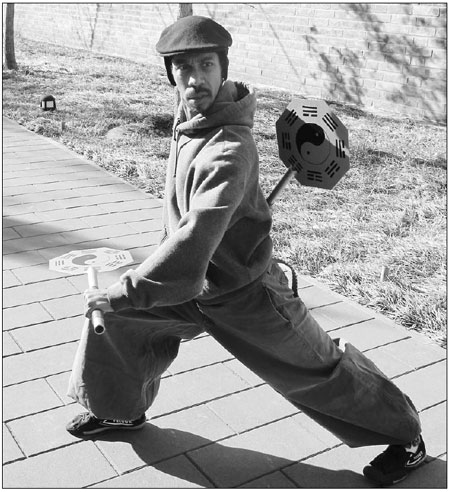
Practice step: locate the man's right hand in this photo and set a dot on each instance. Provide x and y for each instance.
(96, 299)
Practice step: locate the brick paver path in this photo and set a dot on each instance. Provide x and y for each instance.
(214, 424)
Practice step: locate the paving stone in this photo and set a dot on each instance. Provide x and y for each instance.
(29, 144)
(130, 450)
(22, 316)
(177, 473)
(59, 383)
(16, 260)
(133, 241)
(66, 307)
(10, 279)
(9, 346)
(151, 225)
(20, 220)
(24, 180)
(276, 480)
(249, 409)
(244, 372)
(432, 475)
(47, 334)
(434, 429)
(121, 197)
(9, 233)
(72, 213)
(141, 202)
(242, 458)
(92, 234)
(315, 297)
(27, 294)
(369, 334)
(39, 155)
(339, 315)
(163, 438)
(74, 183)
(105, 189)
(18, 160)
(319, 432)
(197, 353)
(337, 468)
(27, 198)
(44, 431)
(10, 449)
(33, 243)
(425, 387)
(44, 178)
(51, 470)
(123, 217)
(53, 227)
(164, 404)
(27, 398)
(37, 273)
(43, 170)
(304, 281)
(12, 209)
(389, 365)
(19, 148)
(200, 421)
(415, 353)
(201, 385)
(49, 253)
(38, 364)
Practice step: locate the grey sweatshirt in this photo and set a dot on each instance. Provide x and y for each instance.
(216, 219)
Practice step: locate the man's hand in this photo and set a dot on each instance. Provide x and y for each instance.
(96, 299)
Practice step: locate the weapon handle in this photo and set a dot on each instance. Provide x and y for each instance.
(280, 186)
(97, 319)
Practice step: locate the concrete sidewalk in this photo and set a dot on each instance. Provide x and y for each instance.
(215, 424)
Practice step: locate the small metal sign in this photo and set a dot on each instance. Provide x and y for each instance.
(313, 143)
(48, 103)
(102, 259)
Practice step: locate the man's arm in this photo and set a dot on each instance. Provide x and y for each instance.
(175, 272)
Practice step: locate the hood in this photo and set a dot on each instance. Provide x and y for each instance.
(235, 104)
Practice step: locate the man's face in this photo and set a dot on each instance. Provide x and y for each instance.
(198, 77)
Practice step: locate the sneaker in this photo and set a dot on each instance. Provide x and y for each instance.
(85, 424)
(395, 462)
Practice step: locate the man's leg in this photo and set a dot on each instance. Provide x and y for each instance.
(273, 334)
(116, 376)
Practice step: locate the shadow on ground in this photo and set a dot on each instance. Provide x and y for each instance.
(230, 467)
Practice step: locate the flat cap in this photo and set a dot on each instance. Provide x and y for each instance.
(193, 33)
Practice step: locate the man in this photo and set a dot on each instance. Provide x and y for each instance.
(214, 272)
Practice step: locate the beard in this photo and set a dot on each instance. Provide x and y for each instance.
(198, 100)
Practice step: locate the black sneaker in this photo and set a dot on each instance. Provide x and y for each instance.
(393, 464)
(85, 424)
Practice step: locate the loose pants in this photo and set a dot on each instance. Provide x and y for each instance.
(267, 328)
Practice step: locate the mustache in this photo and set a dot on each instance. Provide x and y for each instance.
(197, 91)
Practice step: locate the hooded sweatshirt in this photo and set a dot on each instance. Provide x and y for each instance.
(216, 219)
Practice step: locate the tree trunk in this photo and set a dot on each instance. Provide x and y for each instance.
(184, 9)
(10, 56)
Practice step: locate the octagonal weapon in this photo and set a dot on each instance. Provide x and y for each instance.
(313, 145)
(91, 261)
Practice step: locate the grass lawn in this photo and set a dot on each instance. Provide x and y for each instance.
(389, 210)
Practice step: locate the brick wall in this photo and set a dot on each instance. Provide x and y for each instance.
(385, 58)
